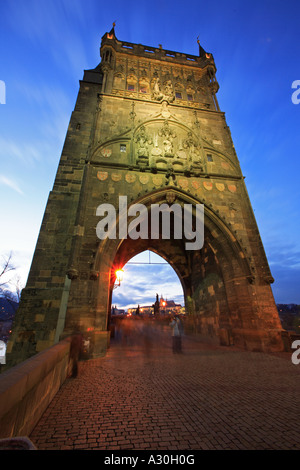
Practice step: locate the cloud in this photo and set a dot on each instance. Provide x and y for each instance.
(50, 108)
(142, 282)
(10, 183)
(25, 152)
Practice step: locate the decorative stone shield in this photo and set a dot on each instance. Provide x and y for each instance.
(102, 175)
(106, 152)
(207, 185)
(144, 179)
(232, 188)
(220, 186)
(157, 180)
(116, 177)
(195, 184)
(130, 178)
(183, 183)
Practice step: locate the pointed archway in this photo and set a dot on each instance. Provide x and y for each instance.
(219, 287)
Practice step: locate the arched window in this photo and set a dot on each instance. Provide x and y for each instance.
(144, 86)
(131, 83)
(178, 91)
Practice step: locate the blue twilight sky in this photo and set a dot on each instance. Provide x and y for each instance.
(46, 44)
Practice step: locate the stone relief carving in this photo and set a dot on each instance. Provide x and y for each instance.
(163, 92)
(194, 156)
(158, 146)
(156, 93)
(169, 93)
(168, 137)
(142, 141)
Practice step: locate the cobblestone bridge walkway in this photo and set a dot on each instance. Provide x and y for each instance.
(141, 396)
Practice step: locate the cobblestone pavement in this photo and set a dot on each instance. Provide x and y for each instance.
(144, 397)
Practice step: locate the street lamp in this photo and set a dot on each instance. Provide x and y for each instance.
(119, 277)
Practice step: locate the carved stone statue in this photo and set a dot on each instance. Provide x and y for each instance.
(143, 141)
(168, 135)
(169, 93)
(166, 93)
(193, 152)
(156, 92)
(156, 306)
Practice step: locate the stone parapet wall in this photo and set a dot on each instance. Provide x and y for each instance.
(27, 389)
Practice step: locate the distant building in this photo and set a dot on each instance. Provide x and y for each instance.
(169, 307)
(166, 307)
(117, 311)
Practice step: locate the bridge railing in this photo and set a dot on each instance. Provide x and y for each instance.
(27, 389)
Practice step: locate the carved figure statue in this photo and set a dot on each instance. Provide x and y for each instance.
(142, 152)
(156, 92)
(166, 94)
(168, 148)
(143, 141)
(192, 146)
(169, 93)
(168, 135)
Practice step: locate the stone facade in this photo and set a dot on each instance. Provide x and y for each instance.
(147, 125)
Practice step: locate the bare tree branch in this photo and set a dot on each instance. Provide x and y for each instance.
(10, 286)
(7, 267)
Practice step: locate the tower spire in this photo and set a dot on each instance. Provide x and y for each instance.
(112, 33)
(201, 50)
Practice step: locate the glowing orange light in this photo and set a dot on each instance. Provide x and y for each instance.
(119, 275)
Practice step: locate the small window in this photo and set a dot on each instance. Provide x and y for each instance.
(130, 87)
(190, 97)
(143, 89)
(209, 157)
(122, 147)
(178, 95)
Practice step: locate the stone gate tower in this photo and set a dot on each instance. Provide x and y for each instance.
(147, 125)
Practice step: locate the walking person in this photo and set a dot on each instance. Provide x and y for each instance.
(176, 334)
(75, 352)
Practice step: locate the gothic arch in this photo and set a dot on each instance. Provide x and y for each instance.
(223, 236)
(221, 262)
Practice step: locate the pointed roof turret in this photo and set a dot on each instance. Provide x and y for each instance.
(202, 52)
(112, 33)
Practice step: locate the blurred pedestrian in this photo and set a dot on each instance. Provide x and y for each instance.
(176, 326)
(75, 352)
